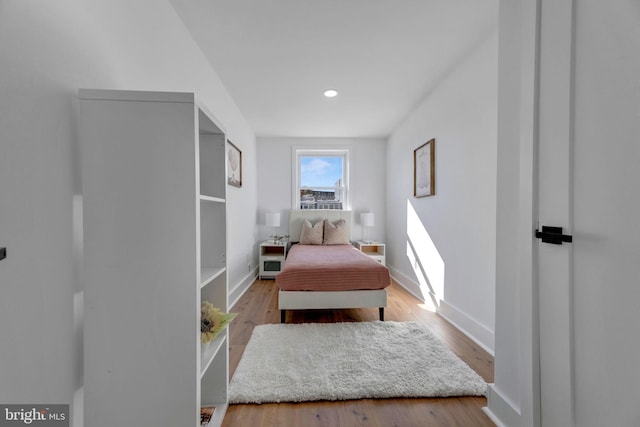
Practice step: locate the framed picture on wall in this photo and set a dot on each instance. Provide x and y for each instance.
(424, 169)
(234, 165)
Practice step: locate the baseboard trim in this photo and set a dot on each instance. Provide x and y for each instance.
(500, 410)
(479, 333)
(242, 287)
(409, 285)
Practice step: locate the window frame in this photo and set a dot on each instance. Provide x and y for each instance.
(299, 152)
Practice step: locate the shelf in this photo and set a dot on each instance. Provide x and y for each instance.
(372, 249)
(273, 250)
(208, 274)
(212, 199)
(155, 132)
(218, 414)
(213, 180)
(210, 351)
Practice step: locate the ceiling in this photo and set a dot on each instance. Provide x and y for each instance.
(276, 58)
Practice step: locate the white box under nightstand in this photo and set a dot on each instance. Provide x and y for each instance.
(373, 249)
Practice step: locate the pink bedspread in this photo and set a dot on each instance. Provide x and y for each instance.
(331, 268)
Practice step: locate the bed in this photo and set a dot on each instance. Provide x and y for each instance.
(330, 273)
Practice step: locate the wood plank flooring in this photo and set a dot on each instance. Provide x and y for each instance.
(259, 305)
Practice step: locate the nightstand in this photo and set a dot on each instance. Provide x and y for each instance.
(373, 249)
(271, 258)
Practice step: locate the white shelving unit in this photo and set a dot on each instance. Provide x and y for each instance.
(155, 243)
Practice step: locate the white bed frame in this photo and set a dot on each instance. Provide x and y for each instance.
(305, 300)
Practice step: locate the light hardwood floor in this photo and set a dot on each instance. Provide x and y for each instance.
(259, 305)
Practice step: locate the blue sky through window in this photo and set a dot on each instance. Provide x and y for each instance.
(320, 171)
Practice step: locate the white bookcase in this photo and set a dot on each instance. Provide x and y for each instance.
(155, 243)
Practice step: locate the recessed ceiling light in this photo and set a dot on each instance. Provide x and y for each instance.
(330, 93)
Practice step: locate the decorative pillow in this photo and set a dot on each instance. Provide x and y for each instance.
(311, 234)
(336, 234)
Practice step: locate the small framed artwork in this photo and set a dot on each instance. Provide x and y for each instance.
(424, 169)
(234, 165)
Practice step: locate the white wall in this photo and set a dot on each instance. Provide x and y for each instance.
(367, 179)
(453, 244)
(47, 51)
(242, 255)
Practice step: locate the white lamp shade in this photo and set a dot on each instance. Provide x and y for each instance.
(367, 219)
(273, 219)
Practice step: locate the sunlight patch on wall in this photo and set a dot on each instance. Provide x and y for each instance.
(427, 264)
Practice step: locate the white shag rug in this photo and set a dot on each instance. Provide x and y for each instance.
(351, 360)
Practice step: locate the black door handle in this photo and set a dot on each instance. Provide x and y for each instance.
(553, 235)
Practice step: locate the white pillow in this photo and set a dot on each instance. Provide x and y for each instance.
(311, 234)
(336, 234)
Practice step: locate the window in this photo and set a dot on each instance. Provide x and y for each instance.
(321, 179)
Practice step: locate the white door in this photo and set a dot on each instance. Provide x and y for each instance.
(588, 178)
(607, 213)
(554, 210)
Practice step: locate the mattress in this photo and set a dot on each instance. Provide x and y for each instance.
(331, 268)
